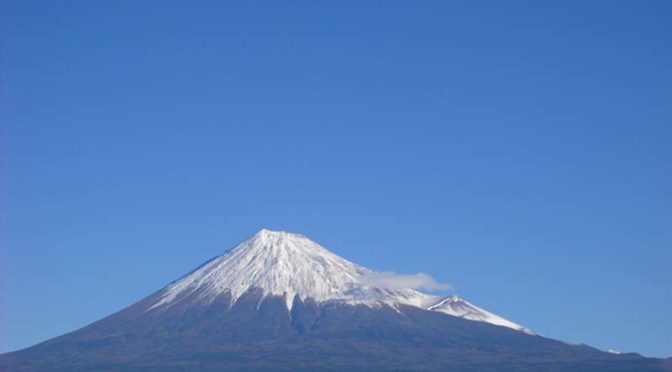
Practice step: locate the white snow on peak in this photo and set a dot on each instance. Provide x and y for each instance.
(289, 265)
(455, 306)
(286, 265)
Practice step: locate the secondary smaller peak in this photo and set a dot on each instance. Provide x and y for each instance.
(447, 300)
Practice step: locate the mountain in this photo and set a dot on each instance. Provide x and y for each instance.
(458, 307)
(286, 265)
(279, 301)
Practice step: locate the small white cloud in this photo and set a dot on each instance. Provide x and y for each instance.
(391, 280)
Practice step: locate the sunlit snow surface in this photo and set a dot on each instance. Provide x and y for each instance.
(458, 307)
(290, 265)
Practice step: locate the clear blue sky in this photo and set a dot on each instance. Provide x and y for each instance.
(520, 151)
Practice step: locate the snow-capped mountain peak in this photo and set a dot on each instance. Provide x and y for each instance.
(455, 306)
(277, 262)
(286, 265)
(289, 265)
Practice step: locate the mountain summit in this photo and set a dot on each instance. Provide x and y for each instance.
(292, 267)
(279, 301)
(278, 264)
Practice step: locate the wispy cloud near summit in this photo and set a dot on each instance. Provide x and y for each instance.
(392, 280)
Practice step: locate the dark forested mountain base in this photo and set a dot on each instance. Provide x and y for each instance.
(256, 334)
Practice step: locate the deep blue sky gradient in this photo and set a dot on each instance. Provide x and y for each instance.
(520, 151)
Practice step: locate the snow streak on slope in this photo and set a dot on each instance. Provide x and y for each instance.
(458, 307)
(290, 265)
